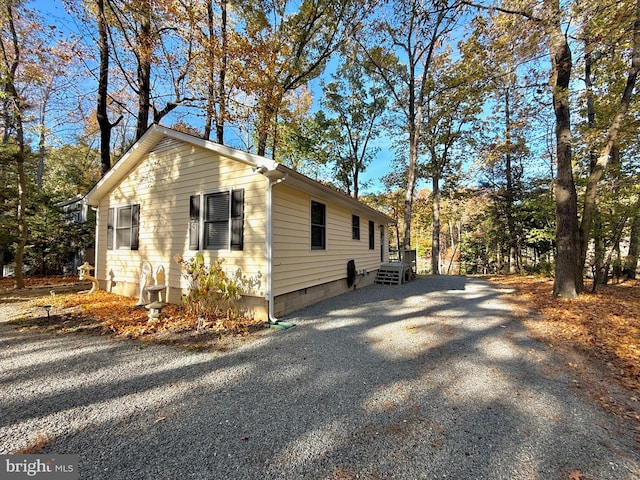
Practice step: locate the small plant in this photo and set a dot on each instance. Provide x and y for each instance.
(212, 293)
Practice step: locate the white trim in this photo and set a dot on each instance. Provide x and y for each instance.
(271, 182)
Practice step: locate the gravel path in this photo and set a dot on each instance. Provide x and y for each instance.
(429, 380)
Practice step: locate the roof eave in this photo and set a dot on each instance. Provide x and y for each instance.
(327, 193)
(150, 138)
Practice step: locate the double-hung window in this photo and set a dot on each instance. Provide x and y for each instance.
(372, 235)
(355, 227)
(123, 227)
(216, 221)
(318, 226)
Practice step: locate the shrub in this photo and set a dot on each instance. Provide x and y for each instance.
(212, 293)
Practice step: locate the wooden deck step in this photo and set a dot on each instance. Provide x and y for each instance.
(390, 275)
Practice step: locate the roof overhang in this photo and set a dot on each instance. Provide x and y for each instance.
(262, 165)
(323, 192)
(145, 144)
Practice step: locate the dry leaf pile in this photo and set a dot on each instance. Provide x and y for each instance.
(107, 313)
(605, 324)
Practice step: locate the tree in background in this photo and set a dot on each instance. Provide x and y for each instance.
(16, 31)
(611, 33)
(356, 105)
(416, 30)
(102, 107)
(450, 113)
(290, 46)
(307, 144)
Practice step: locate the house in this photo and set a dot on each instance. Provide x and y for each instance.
(76, 213)
(175, 194)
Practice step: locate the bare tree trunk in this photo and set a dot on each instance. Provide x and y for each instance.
(598, 268)
(41, 147)
(16, 109)
(266, 117)
(631, 261)
(435, 228)
(144, 69)
(509, 194)
(568, 278)
(210, 108)
(103, 85)
(222, 88)
(597, 169)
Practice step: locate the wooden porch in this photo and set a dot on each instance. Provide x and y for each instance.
(399, 272)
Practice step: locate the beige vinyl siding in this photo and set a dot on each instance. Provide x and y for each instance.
(296, 264)
(162, 183)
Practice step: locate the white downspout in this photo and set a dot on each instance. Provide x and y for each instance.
(269, 249)
(269, 243)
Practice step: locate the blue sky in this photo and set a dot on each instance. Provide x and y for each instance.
(55, 13)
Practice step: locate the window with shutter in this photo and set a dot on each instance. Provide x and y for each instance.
(194, 222)
(110, 222)
(372, 235)
(237, 219)
(221, 215)
(123, 227)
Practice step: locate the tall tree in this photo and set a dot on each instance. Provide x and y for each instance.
(568, 278)
(552, 17)
(217, 63)
(509, 67)
(600, 161)
(450, 110)
(102, 114)
(358, 104)
(291, 46)
(416, 30)
(549, 15)
(156, 40)
(14, 109)
(631, 261)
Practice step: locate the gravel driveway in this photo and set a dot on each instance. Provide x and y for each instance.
(429, 380)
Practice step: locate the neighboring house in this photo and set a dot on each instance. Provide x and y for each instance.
(75, 211)
(174, 194)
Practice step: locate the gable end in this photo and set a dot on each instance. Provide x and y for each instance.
(166, 143)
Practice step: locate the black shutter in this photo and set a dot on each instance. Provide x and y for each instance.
(194, 223)
(135, 226)
(237, 219)
(110, 231)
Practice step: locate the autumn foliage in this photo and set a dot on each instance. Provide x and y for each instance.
(120, 316)
(110, 314)
(605, 324)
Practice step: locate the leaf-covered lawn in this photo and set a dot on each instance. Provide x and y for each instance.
(605, 324)
(110, 314)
